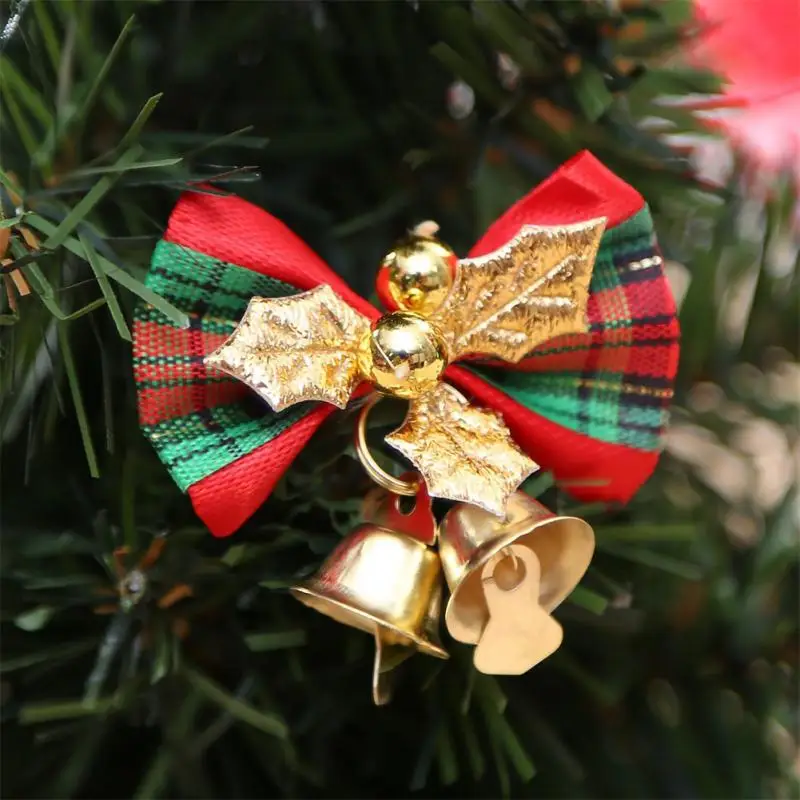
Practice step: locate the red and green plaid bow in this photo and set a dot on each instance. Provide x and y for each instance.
(591, 407)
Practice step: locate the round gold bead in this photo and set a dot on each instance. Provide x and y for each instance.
(418, 273)
(404, 355)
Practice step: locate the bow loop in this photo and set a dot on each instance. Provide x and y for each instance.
(581, 189)
(221, 445)
(234, 231)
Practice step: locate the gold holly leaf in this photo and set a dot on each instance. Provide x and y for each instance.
(463, 452)
(536, 287)
(290, 349)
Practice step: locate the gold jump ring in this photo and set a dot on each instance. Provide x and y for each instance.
(374, 470)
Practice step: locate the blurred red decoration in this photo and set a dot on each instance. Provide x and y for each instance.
(755, 46)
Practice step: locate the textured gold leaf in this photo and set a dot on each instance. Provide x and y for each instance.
(463, 452)
(291, 349)
(536, 287)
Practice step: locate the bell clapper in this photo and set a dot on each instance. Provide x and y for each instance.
(388, 657)
(519, 633)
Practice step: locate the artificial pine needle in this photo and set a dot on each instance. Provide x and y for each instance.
(275, 640)
(586, 598)
(77, 399)
(115, 273)
(105, 287)
(25, 92)
(268, 723)
(133, 133)
(89, 200)
(102, 73)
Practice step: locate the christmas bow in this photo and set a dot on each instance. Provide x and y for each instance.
(590, 407)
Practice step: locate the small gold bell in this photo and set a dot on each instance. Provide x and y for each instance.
(418, 273)
(470, 538)
(384, 583)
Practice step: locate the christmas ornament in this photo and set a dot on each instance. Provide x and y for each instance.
(403, 355)
(385, 581)
(480, 553)
(566, 332)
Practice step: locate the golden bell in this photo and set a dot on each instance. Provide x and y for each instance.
(470, 537)
(384, 583)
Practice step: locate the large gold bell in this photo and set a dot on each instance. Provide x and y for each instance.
(384, 583)
(469, 538)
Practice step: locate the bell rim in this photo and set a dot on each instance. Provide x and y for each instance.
(425, 646)
(478, 559)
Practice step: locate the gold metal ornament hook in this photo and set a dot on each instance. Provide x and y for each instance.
(373, 469)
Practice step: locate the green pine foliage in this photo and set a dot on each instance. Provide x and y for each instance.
(143, 658)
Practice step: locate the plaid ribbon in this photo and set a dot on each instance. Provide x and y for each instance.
(591, 407)
(614, 383)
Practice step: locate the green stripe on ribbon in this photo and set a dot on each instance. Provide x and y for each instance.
(596, 403)
(215, 294)
(197, 445)
(187, 277)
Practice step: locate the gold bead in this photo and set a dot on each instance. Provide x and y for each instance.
(404, 355)
(418, 274)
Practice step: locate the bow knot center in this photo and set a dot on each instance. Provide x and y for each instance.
(403, 354)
